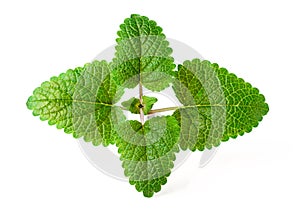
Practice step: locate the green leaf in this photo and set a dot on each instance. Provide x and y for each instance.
(80, 101)
(148, 151)
(134, 105)
(142, 55)
(217, 105)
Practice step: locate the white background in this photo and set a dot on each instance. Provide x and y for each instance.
(43, 170)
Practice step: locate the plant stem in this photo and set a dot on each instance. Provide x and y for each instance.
(162, 110)
(141, 101)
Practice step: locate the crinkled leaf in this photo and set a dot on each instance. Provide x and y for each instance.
(80, 101)
(142, 55)
(148, 151)
(217, 105)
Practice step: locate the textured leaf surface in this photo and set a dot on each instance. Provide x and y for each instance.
(142, 55)
(80, 101)
(217, 105)
(148, 151)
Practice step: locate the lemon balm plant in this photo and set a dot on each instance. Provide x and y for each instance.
(215, 105)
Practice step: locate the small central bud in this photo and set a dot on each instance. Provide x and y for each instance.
(134, 105)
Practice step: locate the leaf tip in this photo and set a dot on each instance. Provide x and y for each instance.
(29, 103)
(148, 193)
